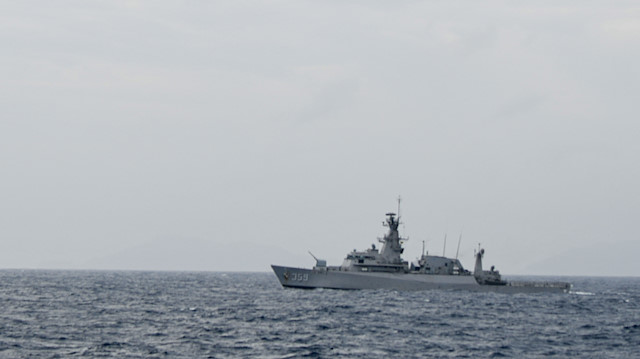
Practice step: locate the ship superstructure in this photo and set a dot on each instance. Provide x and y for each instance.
(387, 259)
(384, 268)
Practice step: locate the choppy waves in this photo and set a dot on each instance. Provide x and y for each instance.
(227, 315)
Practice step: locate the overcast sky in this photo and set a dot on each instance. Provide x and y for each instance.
(229, 135)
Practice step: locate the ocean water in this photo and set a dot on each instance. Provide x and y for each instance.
(66, 314)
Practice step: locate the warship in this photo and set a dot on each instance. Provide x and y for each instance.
(384, 268)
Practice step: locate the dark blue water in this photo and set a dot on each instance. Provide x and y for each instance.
(60, 314)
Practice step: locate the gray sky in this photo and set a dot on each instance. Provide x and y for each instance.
(228, 135)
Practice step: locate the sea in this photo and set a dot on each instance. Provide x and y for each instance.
(128, 314)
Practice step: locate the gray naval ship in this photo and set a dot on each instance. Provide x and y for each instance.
(385, 269)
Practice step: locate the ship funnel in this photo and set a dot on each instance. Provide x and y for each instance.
(477, 271)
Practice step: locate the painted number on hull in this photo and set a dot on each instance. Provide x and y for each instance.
(300, 277)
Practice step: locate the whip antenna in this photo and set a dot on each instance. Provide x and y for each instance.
(458, 250)
(445, 244)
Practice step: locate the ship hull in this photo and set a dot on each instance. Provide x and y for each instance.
(334, 279)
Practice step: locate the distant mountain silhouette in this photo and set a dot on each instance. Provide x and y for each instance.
(197, 255)
(604, 259)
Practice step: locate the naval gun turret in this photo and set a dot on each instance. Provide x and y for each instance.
(321, 264)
